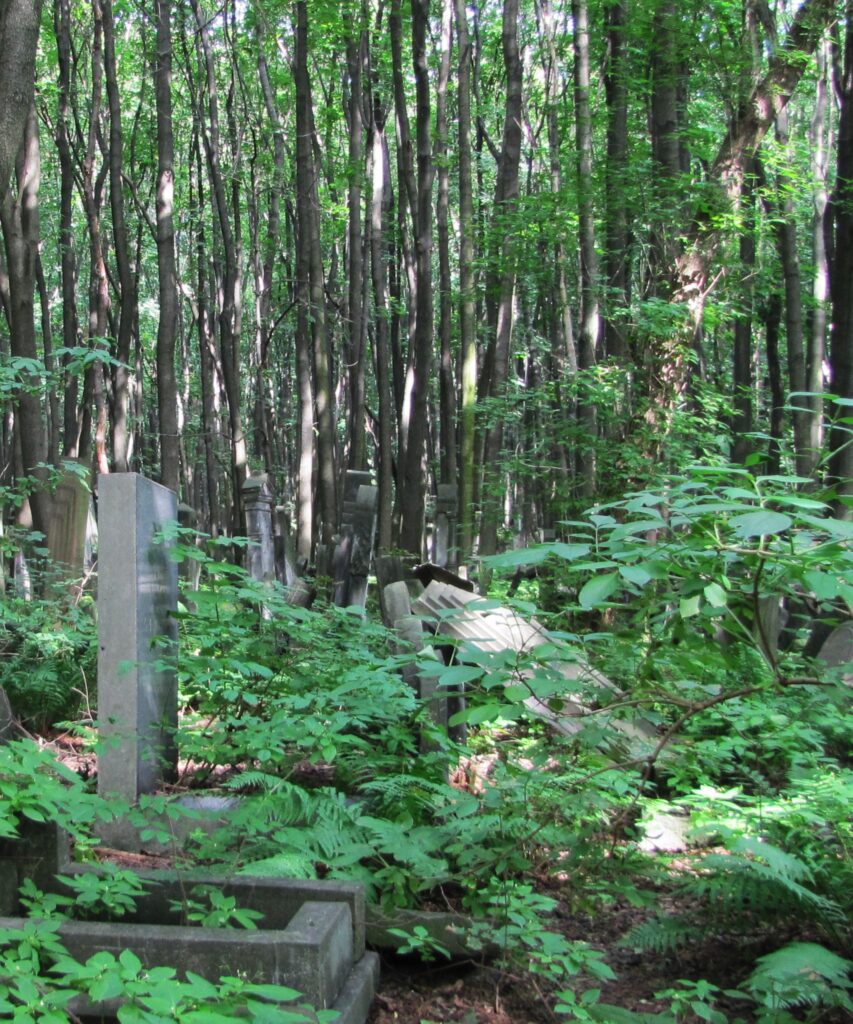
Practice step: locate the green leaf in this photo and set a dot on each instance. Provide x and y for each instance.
(689, 606)
(715, 595)
(635, 574)
(758, 524)
(823, 585)
(458, 675)
(597, 590)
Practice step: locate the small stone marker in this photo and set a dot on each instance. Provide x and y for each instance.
(67, 523)
(351, 560)
(137, 590)
(7, 718)
(258, 505)
(444, 536)
(837, 650)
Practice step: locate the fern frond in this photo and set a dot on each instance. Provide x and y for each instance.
(802, 974)
(662, 934)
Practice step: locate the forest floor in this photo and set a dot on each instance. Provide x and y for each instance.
(468, 992)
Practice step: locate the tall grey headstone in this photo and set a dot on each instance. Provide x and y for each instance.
(137, 636)
(258, 506)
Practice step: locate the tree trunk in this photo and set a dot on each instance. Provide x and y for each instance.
(590, 321)
(167, 396)
(468, 306)
(309, 235)
(126, 279)
(19, 31)
(356, 54)
(505, 205)
(616, 213)
(841, 274)
(746, 131)
(379, 203)
(230, 305)
(742, 382)
(413, 481)
(67, 262)
(20, 221)
(447, 384)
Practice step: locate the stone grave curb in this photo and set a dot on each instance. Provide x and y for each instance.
(278, 899)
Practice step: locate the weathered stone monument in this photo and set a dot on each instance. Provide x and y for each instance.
(67, 522)
(351, 561)
(445, 553)
(258, 503)
(137, 636)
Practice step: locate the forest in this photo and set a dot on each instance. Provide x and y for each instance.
(587, 267)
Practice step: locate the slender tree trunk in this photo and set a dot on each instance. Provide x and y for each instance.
(356, 48)
(20, 222)
(816, 342)
(841, 332)
(99, 290)
(590, 320)
(67, 262)
(413, 500)
(379, 204)
(468, 306)
(616, 169)
(742, 398)
(309, 234)
(230, 305)
(447, 384)
(167, 396)
(505, 205)
(126, 279)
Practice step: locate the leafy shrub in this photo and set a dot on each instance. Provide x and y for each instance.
(48, 657)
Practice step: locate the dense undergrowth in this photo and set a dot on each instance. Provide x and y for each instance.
(673, 595)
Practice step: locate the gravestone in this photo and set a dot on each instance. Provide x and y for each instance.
(286, 566)
(7, 718)
(189, 569)
(470, 620)
(445, 552)
(837, 650)
(67, 523)
(258, 505)
(137, 637)
(351, 559)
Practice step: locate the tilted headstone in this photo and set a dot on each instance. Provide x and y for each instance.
(7, 718)
(489, 628)
(837, 650)
(67, 523)
(137, 636)
(258, 505)
(392, 569)
(411, 638)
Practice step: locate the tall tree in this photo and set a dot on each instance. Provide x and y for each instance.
(167, 324)
(413, 479)
(20, 21)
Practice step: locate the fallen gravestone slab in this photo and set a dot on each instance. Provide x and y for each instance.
(468, 619)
